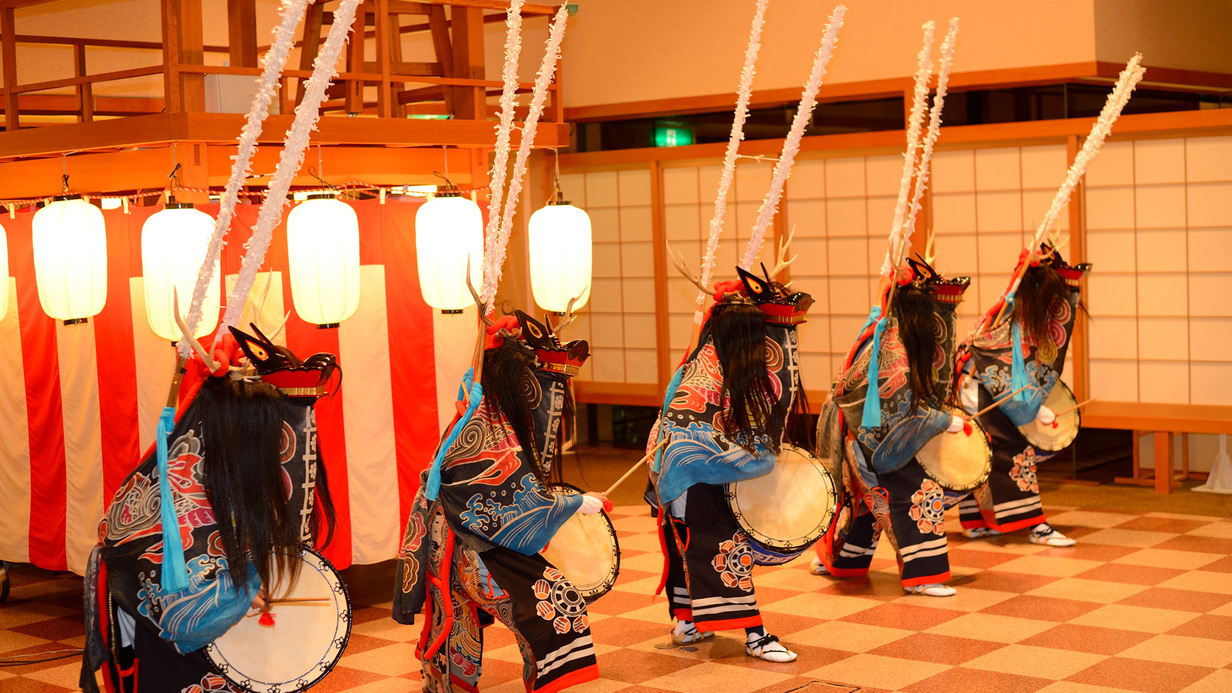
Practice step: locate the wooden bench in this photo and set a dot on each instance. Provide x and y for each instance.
(1164, 421)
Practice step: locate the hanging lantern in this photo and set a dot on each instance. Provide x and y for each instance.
(174, 242)
(448, 229)
(560, 256)
(323, 244)
(4, 274)
(70, 259)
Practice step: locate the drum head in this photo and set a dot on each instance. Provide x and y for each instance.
(585, 550)
(1060, 433)
(958, 461)
(303, 645)
(788, 509)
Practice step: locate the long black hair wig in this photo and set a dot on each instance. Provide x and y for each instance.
(242, 427)
(1041, 287)
(916, 311)
(739, 333)
(509, 382)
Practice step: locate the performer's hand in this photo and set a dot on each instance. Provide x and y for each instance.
(260, 602)
(956, 424)
(592, 503)
(1046, 416)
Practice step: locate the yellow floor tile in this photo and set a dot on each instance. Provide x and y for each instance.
(14, 615)
(641, 542)
(1042, 662)
(1071, 687)
(1142, 619)
(1201, 581)
(849, 637)
(1007, 629)
(875, 671)
(964, 599)
(632, 524)
(1079, 589)
(388, 629)
(391, 660)
(1088, 518)
(829, 606)
(1218, 682)
(1010, 545)
(17, 641)
(799, 581)
(655, 612)
(1128, 537)
(647, 562)
(645, 586)
(1219, 530)
(1165, 558)
(711, 676)
(383, 686)
(1177, 649)
(1047, 565)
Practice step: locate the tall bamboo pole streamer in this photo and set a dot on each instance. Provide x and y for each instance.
(500, 159)
(743, 92)
(804, 113)
(307, 113)
(547, 70)
(923, 74)
(275, 58)
(1128, 79)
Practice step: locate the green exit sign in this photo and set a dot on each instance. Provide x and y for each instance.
(671, 135)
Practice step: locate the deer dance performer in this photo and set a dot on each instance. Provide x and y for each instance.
(1039, 320)
(470, 552)
(247, 488)
(724, 419)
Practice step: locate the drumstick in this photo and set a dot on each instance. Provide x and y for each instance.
(1076, 406)
(997, 403)
(632, 469)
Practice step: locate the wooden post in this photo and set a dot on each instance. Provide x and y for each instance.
(312, 43)
(85, 92)
(384, 105)
(355, 63)
(1081, 354)
(194, 172)
(242, 32)
(439, 26)
(658, 225)
(1163, 462)
(470, 103)
(183, 44)
(8, 54)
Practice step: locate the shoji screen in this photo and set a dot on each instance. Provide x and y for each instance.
(1159, 230)
(841, 209)
(619, 320)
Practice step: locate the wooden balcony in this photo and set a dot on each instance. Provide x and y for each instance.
(378, 106)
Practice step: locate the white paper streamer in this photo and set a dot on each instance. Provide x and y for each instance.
(307, 113)
(513, 51)
(547, 70)
(791, 146)
(930, 139)
(1126, 82)
(923, 73)
(284, 36)
(729, 157)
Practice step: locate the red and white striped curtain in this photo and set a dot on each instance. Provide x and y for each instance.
(78, 404)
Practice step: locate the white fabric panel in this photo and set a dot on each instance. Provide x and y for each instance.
(14, 439)
(372, 464)
(453, 338)
(155, 360)
(83, 441)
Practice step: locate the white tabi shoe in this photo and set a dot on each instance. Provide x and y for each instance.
(933, 590)
(1046, 535)
(980, 533)
(818, 568)
(685, 633)
(769, 648)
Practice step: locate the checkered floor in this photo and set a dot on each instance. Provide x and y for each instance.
(1142, 603)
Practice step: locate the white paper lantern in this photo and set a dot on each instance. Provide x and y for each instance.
(4, 274)
(70, 259)
(560, 256)
(174, 242)
(323, 244)
(448, 229)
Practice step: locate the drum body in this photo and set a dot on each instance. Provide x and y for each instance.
(305, 642)
(585, 550)
(787, 510)
(960, 461)
(1057, 435)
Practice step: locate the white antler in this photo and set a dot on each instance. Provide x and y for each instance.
(784, 261)
(678, 260)
(209, 362)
